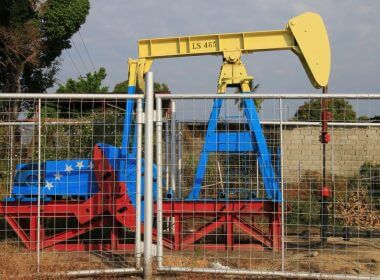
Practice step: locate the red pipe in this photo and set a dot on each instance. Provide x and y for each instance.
(325, 190)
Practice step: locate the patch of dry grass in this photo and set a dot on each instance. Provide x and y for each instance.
(17, 262)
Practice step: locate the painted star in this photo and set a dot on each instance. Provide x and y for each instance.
(91, 165)
(79, 165)
(49, 185)
(68, 168)
(58, 176)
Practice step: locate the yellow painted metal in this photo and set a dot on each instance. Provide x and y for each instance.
(235, 75)
(136, 71)
(311, 36)
(305, 35)
(132, 71)
(245, 42)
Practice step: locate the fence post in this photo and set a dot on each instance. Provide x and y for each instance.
(148, 187)
(11, 140)
(173, 161)
(179, 161)
(282, 191)
(159, 180)
(39, 188)
(138, 185)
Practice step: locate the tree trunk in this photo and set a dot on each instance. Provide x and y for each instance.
(13, 85)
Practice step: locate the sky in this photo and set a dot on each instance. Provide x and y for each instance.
(113, 27)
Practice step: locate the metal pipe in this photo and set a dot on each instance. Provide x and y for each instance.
(102, 271)
(81, 273)
(282, 192)
(324, 209)
(332, 157)
(220, 176)
(167, 167)
(173, 146)
(124, 96)
(138, 184)
(11, 132)
(48, 96)
(39, 188)
(91, 272)
(159, 180)
(354, 233)
(271, 95)
(173, 162)
(167, 163)
(257, 178)
(148, 171)
(263, 122)
(179, 163)
(297, 123)
(336, 124)
(324, 138)
(45, 123)
(286, 274)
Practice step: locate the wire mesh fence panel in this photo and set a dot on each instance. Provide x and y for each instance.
(68, 185)
(241, 185)
(351, 195)
(247, 188)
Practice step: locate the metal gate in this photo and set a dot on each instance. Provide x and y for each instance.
(241, 193)
(70, 185)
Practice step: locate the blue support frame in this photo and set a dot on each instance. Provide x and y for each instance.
(127, 123)
(254, 140)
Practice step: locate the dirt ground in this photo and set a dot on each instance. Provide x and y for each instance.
(303, 254)
(354, 257)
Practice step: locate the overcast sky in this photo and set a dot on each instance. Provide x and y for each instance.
(113, 27)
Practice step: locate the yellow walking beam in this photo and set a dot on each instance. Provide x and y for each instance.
(305, 35)
(216, 44)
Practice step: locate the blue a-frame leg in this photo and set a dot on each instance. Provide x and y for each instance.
(253, 140)
(127, 128)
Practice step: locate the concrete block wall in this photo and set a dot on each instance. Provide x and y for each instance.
(349, 148)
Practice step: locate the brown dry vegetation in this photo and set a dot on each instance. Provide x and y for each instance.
(303, 254)
(16, 262)
(356, 210)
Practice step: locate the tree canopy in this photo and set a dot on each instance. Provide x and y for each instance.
(123, 87)
(341, 110)
(92, 83)
(33, 34)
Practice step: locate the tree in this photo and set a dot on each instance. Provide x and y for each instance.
(19, 42)
(92, 83)
(311, 111)
(123, 87)
(33, 34)
(364, 118)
